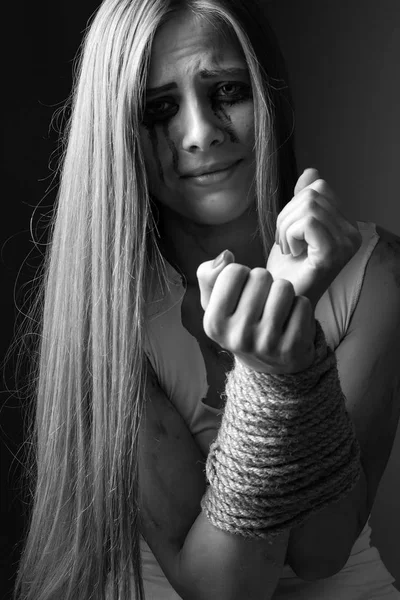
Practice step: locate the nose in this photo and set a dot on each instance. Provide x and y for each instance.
(201, 128)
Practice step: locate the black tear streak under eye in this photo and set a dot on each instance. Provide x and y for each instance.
(154, 144)
(226, 123)
(172, 147)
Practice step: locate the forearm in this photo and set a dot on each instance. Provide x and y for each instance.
(217, 565)
(286, 449)
(199, 559)
(321, 546)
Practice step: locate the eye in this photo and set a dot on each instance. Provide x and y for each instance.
(233, 91)
(159, 109)
(157, 106)
(229, 88)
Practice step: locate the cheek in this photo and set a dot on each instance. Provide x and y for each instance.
(152, 154)
(243, 122)
(238, 123)
(160, 152)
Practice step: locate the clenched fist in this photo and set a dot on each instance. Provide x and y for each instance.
(266, 316)
(314, 240)
(261, 321)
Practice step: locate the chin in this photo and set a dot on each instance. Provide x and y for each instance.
(215, 208)
(217, 215)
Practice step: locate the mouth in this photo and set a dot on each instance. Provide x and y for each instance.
(212, 176)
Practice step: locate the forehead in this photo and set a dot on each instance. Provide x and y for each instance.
(187, 44)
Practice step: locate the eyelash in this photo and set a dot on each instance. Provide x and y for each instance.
(242, 95)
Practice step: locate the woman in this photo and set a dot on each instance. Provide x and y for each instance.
(179, 147)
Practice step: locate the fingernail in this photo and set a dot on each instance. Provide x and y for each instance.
(219, 260)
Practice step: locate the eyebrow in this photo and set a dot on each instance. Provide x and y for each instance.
(204, 74)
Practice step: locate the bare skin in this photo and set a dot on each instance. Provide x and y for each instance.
(205, 118)
(263, 317)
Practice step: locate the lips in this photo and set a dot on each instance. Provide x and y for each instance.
(207, 169)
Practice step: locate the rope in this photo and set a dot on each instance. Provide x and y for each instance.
(286, 448)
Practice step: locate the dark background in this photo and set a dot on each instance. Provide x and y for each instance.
(343, 61)
(40, 40)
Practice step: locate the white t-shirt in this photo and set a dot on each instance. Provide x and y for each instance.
(177, 359)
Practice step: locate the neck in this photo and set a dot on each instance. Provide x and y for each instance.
(186, 244)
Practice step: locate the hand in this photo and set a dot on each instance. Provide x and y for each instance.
(316, 239)
(261, 321)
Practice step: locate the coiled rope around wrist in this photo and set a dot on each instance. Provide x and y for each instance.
(286, 447)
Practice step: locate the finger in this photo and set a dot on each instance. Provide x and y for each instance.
(325, 190)
(207, 275)
(306, 178)
(255, 292)
(320, 186)
(314, 206)
(276, 311)
(320, 242)
(224, 299)
(338, 224)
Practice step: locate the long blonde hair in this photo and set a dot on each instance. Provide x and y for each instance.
(87, 373)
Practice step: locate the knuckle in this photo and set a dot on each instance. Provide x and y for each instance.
(259, 273)
(311, 220)
(310, 196)
(283, 287)
(234, 274)
(320, 185)
(312, 204)
(234, 269)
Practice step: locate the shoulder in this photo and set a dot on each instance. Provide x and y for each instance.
(380, 293)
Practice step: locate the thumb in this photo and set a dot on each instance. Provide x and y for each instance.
(305, 179)
(207, 274)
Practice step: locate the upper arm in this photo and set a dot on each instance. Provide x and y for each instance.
(368, 368)
(368, 361)
(171, 478)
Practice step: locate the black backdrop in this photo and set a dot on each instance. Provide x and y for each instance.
(39, 42)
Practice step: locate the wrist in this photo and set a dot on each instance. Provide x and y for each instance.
(286, 447)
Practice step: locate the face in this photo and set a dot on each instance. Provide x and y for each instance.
(198, 126)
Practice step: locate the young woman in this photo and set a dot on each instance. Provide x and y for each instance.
(179, 147)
